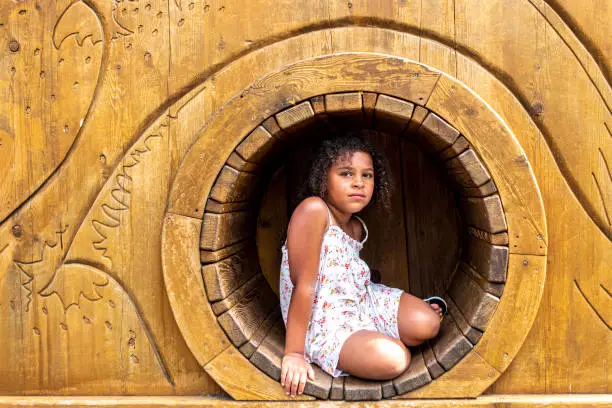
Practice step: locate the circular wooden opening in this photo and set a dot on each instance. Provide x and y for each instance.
(448, 235)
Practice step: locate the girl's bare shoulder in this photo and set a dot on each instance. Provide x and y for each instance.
(311, 210)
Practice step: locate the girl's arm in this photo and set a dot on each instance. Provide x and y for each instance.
(304, 238)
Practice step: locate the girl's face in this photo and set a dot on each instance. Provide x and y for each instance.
(350, 182)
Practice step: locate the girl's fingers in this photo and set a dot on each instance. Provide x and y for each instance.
(283, 374)
(302, 383)
(295, 382)
(288, 381)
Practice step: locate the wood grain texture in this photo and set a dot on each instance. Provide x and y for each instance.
(460, 145)
(356, 389)
(257, 145)
(243, 319)
(434, 368)
(490, 261)
(472, 334)
(496, 289)
(475, 304)
(295, 117)
(415, 376)
(248, 348)
(238, 163)
(450, 346)
(221, 230)
(233, 185)
(182, 271)
(485, 213)
(435, 134)
(392, 114)
(222, 277)
(215, 256)
(250, 384)
(467, 170)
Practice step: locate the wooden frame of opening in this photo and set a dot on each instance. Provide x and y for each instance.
(450, 100)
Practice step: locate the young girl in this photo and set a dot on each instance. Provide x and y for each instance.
(335, 316)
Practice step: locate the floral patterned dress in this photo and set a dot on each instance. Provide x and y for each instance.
(345, 300)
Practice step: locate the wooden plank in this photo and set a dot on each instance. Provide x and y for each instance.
(523, 289)
(475, 304)
(272, 226)
(485, 213)
(467, 170)
(345, 110)
(450, 346)
(434, 368)
(418, 116)
(386, 249)
(388, 390)
(244, 318)
(432, 223)
(496, 289)
(337, 389)
(435, 134)
(221, 230)
(271, 125)
(243, 381)
(295, 117)
(215, 256)
(356, 389)
(485, 190)
(349, 103)
(453, 384)
(369, 102)
(415, 376)
(268, 358)
(271, 401)
(257, 145)
(233, 185)
(500, 238)
(191, 308)
(491, 261)
(223, 277)
(318, 105)
(270, 352)
(220, 208)
(472, 334)
(392, 114)
(321, 386)
(460, 145)
(224, 305)
(240, 164)
(251, 345)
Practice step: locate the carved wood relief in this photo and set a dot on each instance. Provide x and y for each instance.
(134, 134)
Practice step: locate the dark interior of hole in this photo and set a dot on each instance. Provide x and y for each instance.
(416, 247)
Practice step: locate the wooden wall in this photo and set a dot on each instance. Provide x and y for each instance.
(91, 139)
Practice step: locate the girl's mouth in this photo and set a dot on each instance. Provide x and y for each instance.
(357, 196)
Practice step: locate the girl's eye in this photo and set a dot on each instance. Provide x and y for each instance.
(346, 174)
(368, 175)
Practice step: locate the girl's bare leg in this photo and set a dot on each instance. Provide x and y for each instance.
(417, 320)
(372, 355)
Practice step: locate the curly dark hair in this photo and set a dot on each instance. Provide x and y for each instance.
(334, 147)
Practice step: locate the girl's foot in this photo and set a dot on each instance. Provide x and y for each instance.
(438, 305)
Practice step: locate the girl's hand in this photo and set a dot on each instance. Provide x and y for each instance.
(294, 372)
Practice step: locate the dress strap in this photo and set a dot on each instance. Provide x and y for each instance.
(329, 214)
(364, 228)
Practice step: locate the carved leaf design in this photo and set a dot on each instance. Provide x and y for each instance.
(73, 281)
(48, 87)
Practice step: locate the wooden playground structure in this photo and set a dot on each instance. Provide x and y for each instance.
(151, 153)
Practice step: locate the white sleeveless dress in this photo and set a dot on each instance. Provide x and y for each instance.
(345, 300)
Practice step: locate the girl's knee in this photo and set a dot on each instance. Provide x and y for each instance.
(427, 325)
(394, 360)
